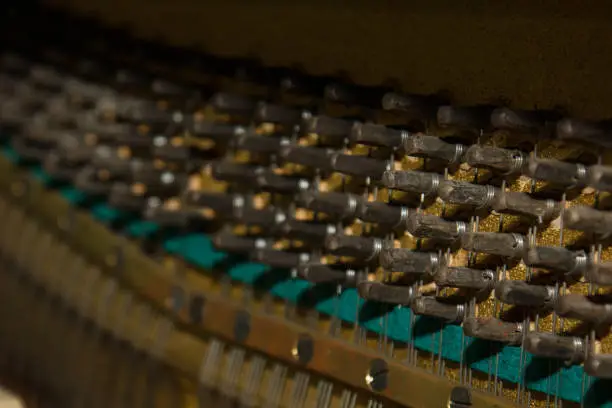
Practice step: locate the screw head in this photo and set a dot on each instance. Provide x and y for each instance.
(242, 325)
(377, 376)
(196, 306)
(303, 350)
(460, 397)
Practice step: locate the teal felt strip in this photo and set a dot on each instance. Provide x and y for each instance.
(41, 176)
(427, 334)
(73, 196)
(10, 154)
(105, 214)
(481, 355)
(141, 229)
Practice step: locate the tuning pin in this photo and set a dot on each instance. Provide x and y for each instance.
(15, 112)
(47, 78)
(113, 133)
(284, 115)
(8, 86)
(219, 132)
(556, 171)
(347, 94)
(267, 145)
(599, 365)
(475, 117)
(522, 203)
(156, 179)
(167, 152)
(305, 230)
(495, 158)
(268, 219)
(223, 204)
(116, 105)
(577, 306)
(92, 70)
(86, 91)
(166, 217)
(322, 273)
(299, 84)
(569, 349)
(234, 172)
(39, 136)
(232, 103)
(391, 294)
(143, 112)
(495, 243)
(14, 64)
(28, 151)
(276, 183)
(418, 105)
(519, 120)
(588, 219)
(521, 293)
(430, 226)
(599, 273)
(107, 159)
(342, 205)
(464, 193)
(280, 259)
(430, 306)
(490, 328)
(364, 248)
(139, 171)
(73, 149)
(408, 261)
(333, 128)
(377, 135)
(381, 213)
(312, 157)
(58, 169)
(122, 107)
(122, 197)
(166, 88)
(17, 90)
(412, 181)
(359, 166)
(600, 177)
(597, 133)
(251, 71)
(433, 147)
(557, 259)
(85, 180)
(67, 107)
(227, 241)
(62, 120)
(125, 77)
(464, 278)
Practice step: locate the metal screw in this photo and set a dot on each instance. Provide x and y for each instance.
(242, 325)
(377, 376)
(460, 397)
(196, 308)
(303, 350)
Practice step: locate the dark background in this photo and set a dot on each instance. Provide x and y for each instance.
(526, 53)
